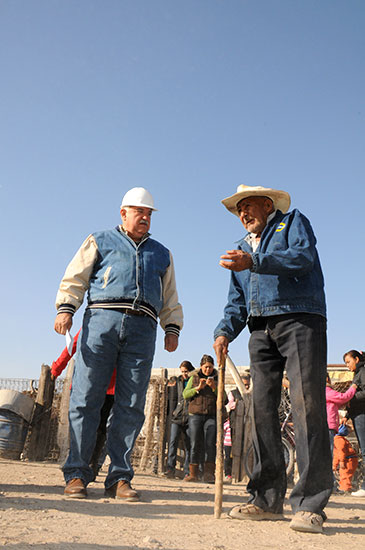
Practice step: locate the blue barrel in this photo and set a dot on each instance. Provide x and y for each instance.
(13, 431)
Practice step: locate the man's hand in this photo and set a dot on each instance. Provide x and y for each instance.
(221, 348)
(63, 323)
(171, 341)
(237, 260)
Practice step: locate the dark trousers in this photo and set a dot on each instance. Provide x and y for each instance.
(359, 425)
(175, 431)
(203, 434)
(331, 435)
(298, 344)
(227, 460)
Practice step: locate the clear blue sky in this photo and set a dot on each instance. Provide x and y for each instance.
(188, 99)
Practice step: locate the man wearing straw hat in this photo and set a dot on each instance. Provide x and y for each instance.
(277, 290)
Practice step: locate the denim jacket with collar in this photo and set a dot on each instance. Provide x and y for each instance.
(286, 276)
(118, 273)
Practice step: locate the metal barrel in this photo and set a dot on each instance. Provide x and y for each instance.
(15, 415)
(13, 431)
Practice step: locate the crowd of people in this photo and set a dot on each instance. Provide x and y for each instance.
(276, 290)
(345, 458)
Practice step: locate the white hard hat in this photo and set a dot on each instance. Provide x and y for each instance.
(138, 196)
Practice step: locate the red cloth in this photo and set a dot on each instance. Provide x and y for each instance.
(61, 363)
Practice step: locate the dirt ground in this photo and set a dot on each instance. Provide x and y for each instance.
(172, 515)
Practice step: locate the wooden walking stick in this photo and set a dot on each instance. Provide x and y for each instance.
(219, 460)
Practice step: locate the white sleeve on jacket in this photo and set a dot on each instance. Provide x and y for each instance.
(171, 312)
(75, 281)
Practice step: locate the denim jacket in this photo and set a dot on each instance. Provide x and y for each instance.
(129, 271)
(118, 273)
(286, 276)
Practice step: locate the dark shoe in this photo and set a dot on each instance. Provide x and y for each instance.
(193, 473)
(122, 490)
(170, 474)
(209, 469)
(75, 488)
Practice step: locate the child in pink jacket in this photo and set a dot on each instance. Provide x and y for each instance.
(334, 400)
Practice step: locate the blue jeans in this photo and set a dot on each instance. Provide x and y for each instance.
(297, 343)
(359, 426)
(331, 434)
(203, 435)
(175, 431)
(109, 339)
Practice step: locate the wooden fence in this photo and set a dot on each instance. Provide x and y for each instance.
(48, 434)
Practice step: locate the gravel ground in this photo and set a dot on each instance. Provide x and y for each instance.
(172, 515)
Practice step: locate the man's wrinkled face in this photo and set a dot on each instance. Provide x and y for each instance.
(136, 220)
(253, 213)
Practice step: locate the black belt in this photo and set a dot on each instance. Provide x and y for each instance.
(257, 323)
(135, 312)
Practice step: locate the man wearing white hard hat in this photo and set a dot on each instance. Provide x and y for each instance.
(130, 283)
(277, 290)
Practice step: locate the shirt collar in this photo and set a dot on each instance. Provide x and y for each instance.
(121, 229)
(251, 237)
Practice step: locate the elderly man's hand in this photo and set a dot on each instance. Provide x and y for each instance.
(171, 341)
(221, 348)
(237, 260)
(63, 323)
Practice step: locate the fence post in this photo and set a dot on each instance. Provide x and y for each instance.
(38, 441)
(63, 429)
(162, 421)
(150, 421)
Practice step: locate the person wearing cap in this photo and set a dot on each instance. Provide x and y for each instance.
(277, 290)
(130, 283)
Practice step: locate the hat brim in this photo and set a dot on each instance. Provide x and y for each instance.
(281, 199)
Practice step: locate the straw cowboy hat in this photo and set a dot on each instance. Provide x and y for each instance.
(281, 199)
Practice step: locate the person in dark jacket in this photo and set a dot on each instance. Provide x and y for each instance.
(277, 290)
(179, 420)
(201, 390)
(355, 362)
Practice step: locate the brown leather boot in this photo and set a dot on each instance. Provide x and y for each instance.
(122, 490)
(209, 469)
(75, 488)
(193, 473)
